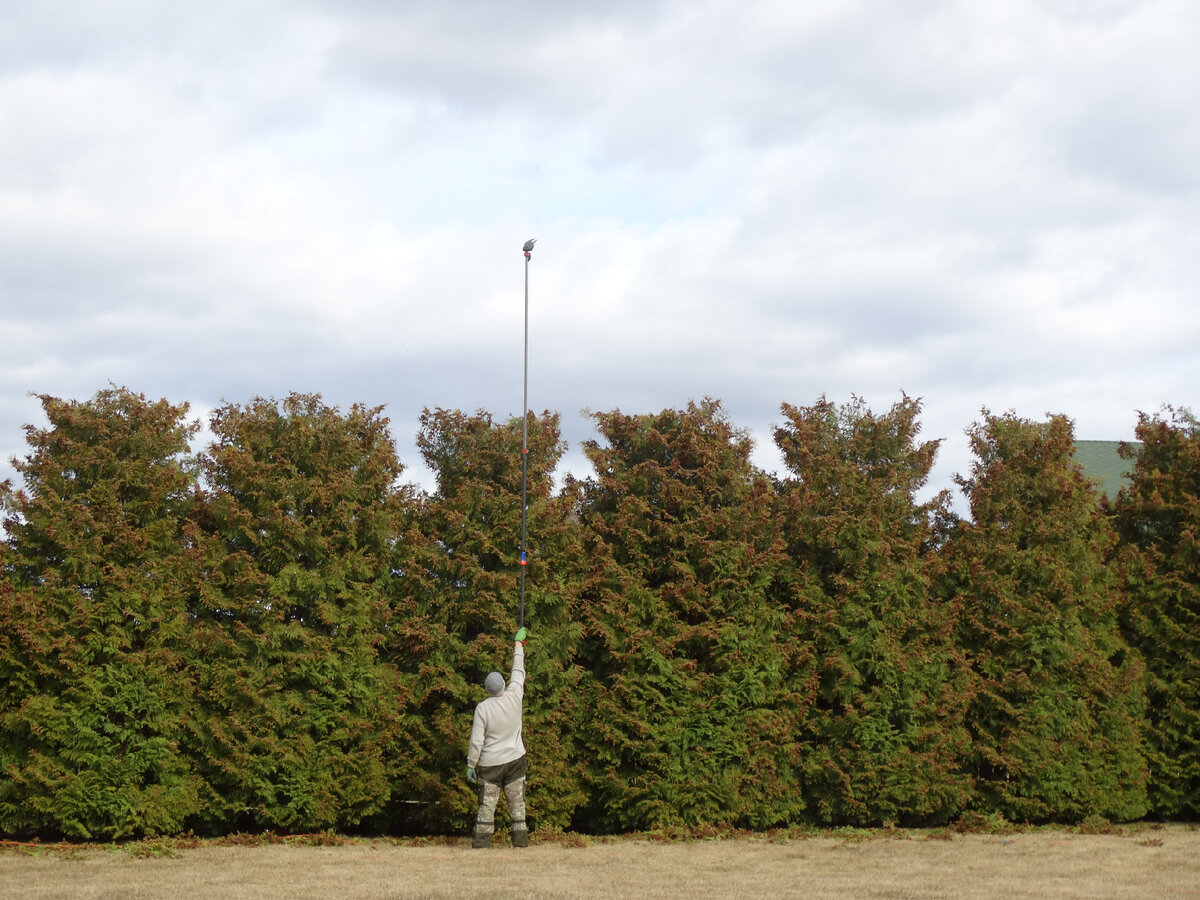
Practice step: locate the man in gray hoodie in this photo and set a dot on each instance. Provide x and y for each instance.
(496, 754)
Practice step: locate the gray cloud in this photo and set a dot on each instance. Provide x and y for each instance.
(978, 204)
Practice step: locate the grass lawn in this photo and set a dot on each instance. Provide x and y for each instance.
(1136, 862)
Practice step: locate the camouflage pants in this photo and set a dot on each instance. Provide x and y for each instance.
(509, 778)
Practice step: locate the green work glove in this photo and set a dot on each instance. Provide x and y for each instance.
(471, 774)
(521, 634)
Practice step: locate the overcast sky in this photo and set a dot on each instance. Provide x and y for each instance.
(986, 203)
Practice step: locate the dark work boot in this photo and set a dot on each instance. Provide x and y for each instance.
(519, 834)
(482, 838)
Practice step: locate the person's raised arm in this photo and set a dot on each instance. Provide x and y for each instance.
(517, 678)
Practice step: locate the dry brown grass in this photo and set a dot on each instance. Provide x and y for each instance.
(1163, 862)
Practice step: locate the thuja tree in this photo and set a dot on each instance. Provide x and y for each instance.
(456, 608)
(685, 651)
(884, 740)
(1159, 520)
(295, 710)
(93, 615)
(1057, 698)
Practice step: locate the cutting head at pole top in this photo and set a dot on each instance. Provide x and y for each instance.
(529, 245)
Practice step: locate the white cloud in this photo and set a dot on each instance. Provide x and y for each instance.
(979, 204)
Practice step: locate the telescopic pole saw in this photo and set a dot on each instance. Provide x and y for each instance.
(528, 250)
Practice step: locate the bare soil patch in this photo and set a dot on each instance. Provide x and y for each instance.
(1160, 862)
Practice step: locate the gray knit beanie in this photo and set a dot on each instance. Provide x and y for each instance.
(494, 684)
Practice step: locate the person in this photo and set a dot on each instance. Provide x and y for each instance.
(496, 754)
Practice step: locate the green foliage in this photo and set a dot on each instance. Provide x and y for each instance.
(278, 636)
(1159, 520)
(690, 715)
(293, 716)
(93, 612)
(884, 737)
(1057, 698)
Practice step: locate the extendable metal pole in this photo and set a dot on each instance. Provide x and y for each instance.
(525, 435)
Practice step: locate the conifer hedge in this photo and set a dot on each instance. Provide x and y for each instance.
(274, 631)
(95, 669)
(1159, 523)
(1057, 699)
(884, 736)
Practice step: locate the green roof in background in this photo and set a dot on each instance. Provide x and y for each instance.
(1103, 464)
